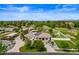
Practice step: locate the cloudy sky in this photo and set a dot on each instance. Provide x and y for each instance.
(12, 12)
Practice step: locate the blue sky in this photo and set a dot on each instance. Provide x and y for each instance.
(12, 12)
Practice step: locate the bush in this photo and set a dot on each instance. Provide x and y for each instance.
(28, 44)
(2, 37)
(3, 48)
(11, 39)
(16, 30)
(38, 44)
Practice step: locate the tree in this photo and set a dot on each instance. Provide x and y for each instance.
(25, 31)
(11, 39)
(2, 37)
(3, 48)
(50, 30)
(39, 29)
(77, 44)
(64, 45)
(77, 37)
(28, 44)
(21, 34)
(39, 45)
(16, 30)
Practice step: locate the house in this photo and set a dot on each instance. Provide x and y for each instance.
(6, 29)
(8, 44)
(1, 29)
(12, 35)
(38, 35)
(32, 27)
(24, 28)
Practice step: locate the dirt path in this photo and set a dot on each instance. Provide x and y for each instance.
(19, 43)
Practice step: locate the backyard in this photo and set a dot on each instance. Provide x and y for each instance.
(64, 44)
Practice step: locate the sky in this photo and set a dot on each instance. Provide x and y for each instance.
(39, 12)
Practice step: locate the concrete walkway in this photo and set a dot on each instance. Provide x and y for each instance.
(19, 43)
(49, 48)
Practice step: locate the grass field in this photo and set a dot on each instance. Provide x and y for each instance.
(64, 44)
(24, 49)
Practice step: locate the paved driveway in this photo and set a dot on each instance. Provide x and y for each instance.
(49, 47)
(19, 43)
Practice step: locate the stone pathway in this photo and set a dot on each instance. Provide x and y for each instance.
(19, 43)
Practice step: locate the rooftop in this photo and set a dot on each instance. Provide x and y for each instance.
(37, 34)
(11, 34)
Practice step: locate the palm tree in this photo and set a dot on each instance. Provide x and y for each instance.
(22, 34)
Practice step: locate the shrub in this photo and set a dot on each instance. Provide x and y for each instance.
(3, 48)
(11, 39)
(28, 44)
(38, 44)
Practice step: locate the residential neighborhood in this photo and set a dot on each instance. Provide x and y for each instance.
(39, 36)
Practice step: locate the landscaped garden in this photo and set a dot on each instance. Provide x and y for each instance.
(33, 46)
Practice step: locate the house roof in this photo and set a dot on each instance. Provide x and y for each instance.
(6, 29)
(37, 34)
(44, 35)
(11, 34)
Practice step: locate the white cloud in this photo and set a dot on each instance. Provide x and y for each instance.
(56, 14)
(38, 16)
(57, 6)
(67, 9)
(19, 9)
(64, 8)
(70, 5)
(23, 9)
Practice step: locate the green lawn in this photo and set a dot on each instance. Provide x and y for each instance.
(1, 37)
(64, 44)
(59, 36)
(36, 46)
(55, 35)
(24, 49)
(63, 30)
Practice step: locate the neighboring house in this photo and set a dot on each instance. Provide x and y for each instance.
(24, 28)
(7, 29)
(12, 35)
(32, 27)
(1, 32)
(1, 29)
(38, 35)
(8, 44)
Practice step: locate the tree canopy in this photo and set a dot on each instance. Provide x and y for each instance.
(3, 48)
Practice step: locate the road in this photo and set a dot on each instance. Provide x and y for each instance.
(19, 43)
